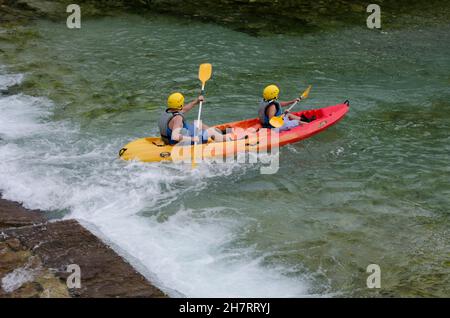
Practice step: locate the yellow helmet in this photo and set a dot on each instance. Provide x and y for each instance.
(175, 101)
(271, 92)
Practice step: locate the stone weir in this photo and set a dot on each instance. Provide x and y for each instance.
(41, 258)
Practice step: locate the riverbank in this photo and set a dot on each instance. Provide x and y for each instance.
(35, 253)
(255, 17)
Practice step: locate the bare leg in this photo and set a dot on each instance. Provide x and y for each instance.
(294, 117)
(216, 134)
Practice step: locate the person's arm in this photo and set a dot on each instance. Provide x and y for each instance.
(190, 105)
(271, 111)
(176, 125)
(284, 104)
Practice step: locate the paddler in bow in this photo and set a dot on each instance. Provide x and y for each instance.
(270, 106)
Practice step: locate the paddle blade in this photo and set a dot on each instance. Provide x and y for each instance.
(306, 92)
(277, 121)
(204, 72)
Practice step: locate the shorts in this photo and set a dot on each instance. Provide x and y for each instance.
(191, 132)
(288, 124)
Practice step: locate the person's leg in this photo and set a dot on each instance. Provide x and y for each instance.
(288, 124)
(205, 127)
(308, 119)
(190, 131)
(294, 117)
(206, 133)
(217, 135)
(192, 127)
(214, 133)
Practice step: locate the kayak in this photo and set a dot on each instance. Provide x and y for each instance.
(153, 149)
(258, 139)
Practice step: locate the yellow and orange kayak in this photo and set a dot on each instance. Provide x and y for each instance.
(153, 149)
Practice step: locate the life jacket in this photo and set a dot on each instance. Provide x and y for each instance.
(164, 130)
(262, 112)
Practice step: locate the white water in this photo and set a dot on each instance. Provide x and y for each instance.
(53, 166)
(19, 276)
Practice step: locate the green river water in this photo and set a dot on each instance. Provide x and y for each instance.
(374, 189)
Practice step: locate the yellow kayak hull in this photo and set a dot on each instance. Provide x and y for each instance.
(153, 149)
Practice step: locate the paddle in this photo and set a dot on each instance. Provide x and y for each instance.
(278, 121)
(204, 74)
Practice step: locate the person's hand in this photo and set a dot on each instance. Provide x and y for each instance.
(200, 99)
(286, 112)
(298, 99)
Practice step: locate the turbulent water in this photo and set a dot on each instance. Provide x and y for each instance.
(373, 189)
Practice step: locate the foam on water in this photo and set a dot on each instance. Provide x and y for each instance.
(21, 115)
(9, 80)
(54, 166)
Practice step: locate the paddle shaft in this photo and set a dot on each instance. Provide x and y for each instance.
(292, 106)
(200, 105)
(199, 111)
(289, 109)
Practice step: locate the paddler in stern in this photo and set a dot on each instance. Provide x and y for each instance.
(174, 128)
(270, 106)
